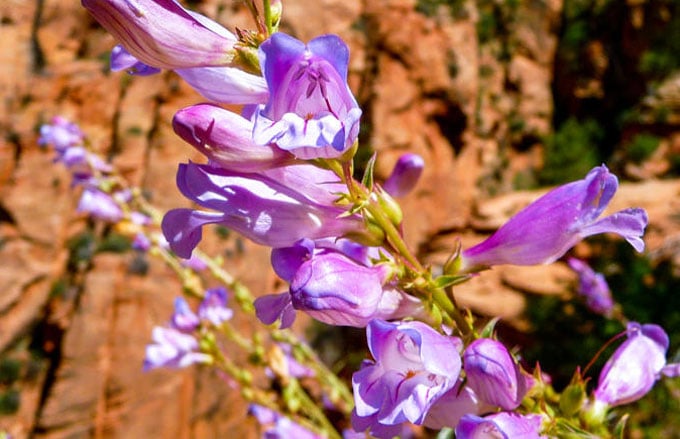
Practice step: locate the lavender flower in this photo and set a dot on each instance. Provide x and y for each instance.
(548, 227)
(493, 374)
(414, 366)
(173, 348)
(278, 426)
(226, 139)
(634, 367)
(213, 308)
(162, 34)
(121, 59)
(593, 287)
(405, 175)
(450, 407)
(100, 205)
(184, 319)
(311, 111)
(61, 134)
(502, 425)
(274, 208)
(333, 288)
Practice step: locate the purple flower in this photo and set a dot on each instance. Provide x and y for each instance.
(229, 85)
(162, 34)
(226, 139)
(184, 319)
(333, 288)
(99, 205)
(493, 374)
(450, 407)
(273, 307)
(502, 425)
(274, 208)
(593, 287)
(278, 426)
(173, 348)
(548, 227)
(634, 367)
(405, 175)
(61, 134)
(121, 59)
(414, 366)
(311, 111)
(213, 308)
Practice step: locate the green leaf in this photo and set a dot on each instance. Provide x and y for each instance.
(368, 173)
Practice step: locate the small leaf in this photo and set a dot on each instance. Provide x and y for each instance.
(367, 181)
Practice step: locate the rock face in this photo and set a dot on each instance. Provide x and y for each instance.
(437, 81)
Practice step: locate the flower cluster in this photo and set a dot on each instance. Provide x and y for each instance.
(280, 172)
(177, 344)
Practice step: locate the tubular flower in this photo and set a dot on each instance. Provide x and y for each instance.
(173, 348)
(634, 367)
(414, 366)
(593, 287)
(502, 425)
(162, 34)
(274, 208)
(493, 374)
(405, 175)
(311, 111)
(226, 139)
(447, 410)
(543, 231)
(333, 288)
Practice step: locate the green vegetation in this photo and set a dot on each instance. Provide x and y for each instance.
(641, 147)
(571, 151)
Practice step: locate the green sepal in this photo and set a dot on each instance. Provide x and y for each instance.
(489, 328)
(367, 179)
(450, 280)
(571, 399)
(620, 427)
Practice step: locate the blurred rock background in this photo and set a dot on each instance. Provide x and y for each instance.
(501, 98)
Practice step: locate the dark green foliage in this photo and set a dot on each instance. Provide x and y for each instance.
(571, 151)
(9, 401)
(10, 370)
(114, 243)
(641, 147)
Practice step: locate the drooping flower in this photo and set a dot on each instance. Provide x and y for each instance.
(277, 426)
(453, 405)
(493, 374)
(162, 34)
(311, 111)
(274, 208)
(226, 139)
(543, 231)
(414, 366)
(184, 319)
(634, 367)
(333, 288)
(173, 348)
(213, 307)
(593, 287)
(100, 205)
(405, 175)
(61, 134)
(503, 425)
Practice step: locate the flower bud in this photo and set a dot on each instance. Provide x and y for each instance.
(634, 367)
(405, 175)
(162, 34)
(493, 374)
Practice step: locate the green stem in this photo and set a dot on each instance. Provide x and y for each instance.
(268, 16)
